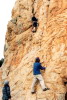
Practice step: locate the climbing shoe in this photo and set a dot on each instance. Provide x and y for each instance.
(46, 89)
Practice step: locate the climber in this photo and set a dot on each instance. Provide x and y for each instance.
(34, 23)
(6, 91)
(37, 75)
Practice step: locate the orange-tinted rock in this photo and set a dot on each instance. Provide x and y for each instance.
(49, 43)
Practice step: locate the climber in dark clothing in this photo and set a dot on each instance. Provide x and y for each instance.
(34, 24)
(6, 91)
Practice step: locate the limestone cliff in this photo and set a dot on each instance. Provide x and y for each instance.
(49, 43)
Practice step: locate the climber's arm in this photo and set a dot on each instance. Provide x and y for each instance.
(42, 68)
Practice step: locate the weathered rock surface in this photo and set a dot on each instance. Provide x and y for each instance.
(49, 43)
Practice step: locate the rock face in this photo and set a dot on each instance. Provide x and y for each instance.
(49, 43)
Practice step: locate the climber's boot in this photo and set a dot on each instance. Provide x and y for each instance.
(33, 92)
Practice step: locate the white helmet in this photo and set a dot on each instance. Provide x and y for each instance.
(6, 82)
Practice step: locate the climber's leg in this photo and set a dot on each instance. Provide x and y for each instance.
(34, 29)
(33, 84)
(34, 26)
(41, 80)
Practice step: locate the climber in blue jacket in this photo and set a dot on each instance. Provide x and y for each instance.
(37, 75)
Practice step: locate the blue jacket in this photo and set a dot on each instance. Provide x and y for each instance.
(37, 67)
